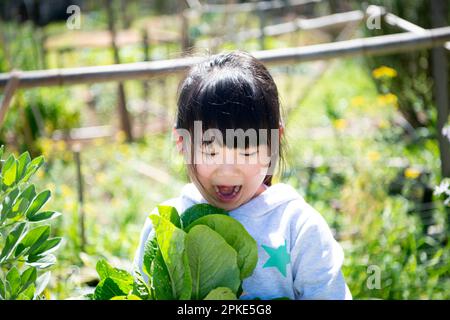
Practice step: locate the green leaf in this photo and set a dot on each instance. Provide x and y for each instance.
(27, 294)
(9, 171)
(170, 213)
(197, 211)
(8, 203)
(140, 289)
(2, 150)
(28, 193)
(23, 162)
(28, 277)
(150, 250)
(213, 262)
(44, 215)
(12, 240)
(128, 297)
(19, 208)
(171, 242)
(32, 167)
(2, 289)
(13, 280)
(237, 237)
(41, 261)
(33, 239)
(105, 270)
(48, 246)
(161, 280)
(122, 279)
(41, 283)
(108, 289)
(37, 203)
(221, 293)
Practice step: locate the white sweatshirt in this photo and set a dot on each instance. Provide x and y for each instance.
(298, 257)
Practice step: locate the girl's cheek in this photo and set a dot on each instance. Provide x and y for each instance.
(205, 170)
(253, 170)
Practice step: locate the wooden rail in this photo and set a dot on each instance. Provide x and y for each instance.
(380, 45)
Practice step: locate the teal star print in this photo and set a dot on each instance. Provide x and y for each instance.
(278, 258)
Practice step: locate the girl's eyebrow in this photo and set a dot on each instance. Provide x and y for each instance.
(207, 142)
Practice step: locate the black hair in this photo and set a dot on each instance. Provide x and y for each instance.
(230, 90)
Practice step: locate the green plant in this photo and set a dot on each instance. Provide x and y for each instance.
(202, 254)
(25, 243)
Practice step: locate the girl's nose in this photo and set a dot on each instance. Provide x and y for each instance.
(227, 173)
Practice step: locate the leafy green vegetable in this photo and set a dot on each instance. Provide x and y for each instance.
(204, 254)
(197, 211)
(213, 262)
(171, 214)
(237, 237)
(171, 242)
(221, 293)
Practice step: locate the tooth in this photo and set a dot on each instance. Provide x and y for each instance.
(236, 189)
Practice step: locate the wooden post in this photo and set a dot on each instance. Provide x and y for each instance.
(185, 41)
(439, 12)
(4, 41)
(262, 24)
(81, 215)
(123, 112)
(145, 83)
(10, 89)
(126, 21)
(43, 50)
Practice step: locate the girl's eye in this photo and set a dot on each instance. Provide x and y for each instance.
(212, 154)
(247, 154)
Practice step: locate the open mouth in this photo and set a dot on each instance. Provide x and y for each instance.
(227, 193)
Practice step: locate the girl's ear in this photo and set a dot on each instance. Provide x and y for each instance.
(178, 140)
(281, 131)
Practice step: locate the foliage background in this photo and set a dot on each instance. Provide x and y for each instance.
(348, 154)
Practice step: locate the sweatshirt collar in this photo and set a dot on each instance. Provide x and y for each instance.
(266, 201)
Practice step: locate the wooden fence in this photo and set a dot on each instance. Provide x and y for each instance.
(416, 38)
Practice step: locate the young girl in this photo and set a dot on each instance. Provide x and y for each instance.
(298, 257)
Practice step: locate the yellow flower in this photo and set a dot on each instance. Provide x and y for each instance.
(124, 149)
(115, 203)
(40, 174)
(60, 145)
(46, 145)
(389, 99)
(50, 186)
(66, 191)
(98, 142)
(383, 124)
(384, 71)
(373, 156)
(411, 173)
(69, 206)
(89, 209)
(67, 156)
(357, 101)
(340, 124)
(100, 177)
(120, 136)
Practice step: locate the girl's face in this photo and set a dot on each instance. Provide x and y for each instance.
(228, 178)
